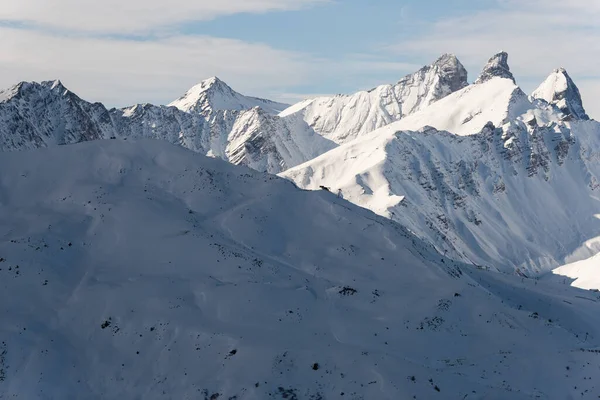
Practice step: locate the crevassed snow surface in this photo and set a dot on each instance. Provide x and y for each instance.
(143, 270)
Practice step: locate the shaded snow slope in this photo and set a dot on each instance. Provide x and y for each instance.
(39, 115)
(518, 197)
(345, 117)
(141, 270)
(215, 95)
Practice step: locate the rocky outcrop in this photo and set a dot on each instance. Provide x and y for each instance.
(345, 117)
(497, 67)
(44, 114)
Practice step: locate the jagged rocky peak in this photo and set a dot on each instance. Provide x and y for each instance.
(497, 67)
(54, 84)
(34, 88)
(451, 71)
(560, 90)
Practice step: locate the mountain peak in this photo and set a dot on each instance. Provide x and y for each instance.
(447, 59)
(27, 88)
(213, 94)
(213, 83)
(560, 90)
(54, 84)
(497, 67)
(451, 71)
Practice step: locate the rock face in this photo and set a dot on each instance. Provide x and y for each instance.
(560, 90)
(44, 114)
(343, 118)
(516, 194)
(210, 119)
(497, 67)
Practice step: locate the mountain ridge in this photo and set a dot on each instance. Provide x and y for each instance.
(460, 174)
(139, 269)
(45, 114)
(345, 117)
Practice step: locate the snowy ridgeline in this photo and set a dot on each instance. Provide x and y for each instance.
(213, 119)
(516, 195)
(488, 175)
(142, 270)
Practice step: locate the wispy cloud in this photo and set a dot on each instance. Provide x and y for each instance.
(132, 16)
(121, 71)
(124, 71)
(539, 35)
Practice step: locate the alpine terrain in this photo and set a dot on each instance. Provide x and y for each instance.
(210, 119)
(142, 270)
(488, 175)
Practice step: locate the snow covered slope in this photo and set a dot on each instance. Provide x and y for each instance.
(253, 138)
(215, 95)
(39, 115)
(142, 270)
(343, 118)
(518, 194)
(585, 273)
(494, 98)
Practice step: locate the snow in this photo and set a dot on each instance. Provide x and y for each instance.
(47, 114)
(8, 94)
(555, 83)
(148, 271)
(467, 111)
(343, 118)
(520, 198)
(585, 273)
(560, 90)
(215, 95)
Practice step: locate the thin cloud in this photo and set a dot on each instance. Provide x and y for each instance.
(133, 16)
(121, 72)
(538, 35)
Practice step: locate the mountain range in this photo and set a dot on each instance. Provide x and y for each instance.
(488, 175)
(138, 269)
(483, 172)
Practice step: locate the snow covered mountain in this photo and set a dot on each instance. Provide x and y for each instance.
(38, 115)
(488, 175)
(215, 121)
(215, 95)
(142, 270)
(344, 118)
(560, 90)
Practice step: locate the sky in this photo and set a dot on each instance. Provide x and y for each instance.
(126, 52)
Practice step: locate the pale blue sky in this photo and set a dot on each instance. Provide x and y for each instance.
(152, 50)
